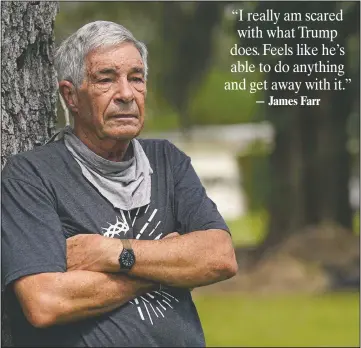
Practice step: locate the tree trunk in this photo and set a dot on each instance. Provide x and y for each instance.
(28, 86)
(28, 76)
(188, 35)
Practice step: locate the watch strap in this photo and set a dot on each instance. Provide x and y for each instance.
(126, 244)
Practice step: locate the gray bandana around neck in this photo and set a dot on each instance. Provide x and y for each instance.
(126, 184)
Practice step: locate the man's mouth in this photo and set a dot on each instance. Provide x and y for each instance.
(123, 116)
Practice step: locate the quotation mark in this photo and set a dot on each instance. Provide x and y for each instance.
(348, 80)
(235, 12)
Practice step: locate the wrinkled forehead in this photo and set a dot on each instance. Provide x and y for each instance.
(123, 57)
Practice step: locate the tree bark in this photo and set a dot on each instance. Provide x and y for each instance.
(28, 89)
(28, 77)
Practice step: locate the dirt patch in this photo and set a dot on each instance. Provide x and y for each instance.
(315, 260)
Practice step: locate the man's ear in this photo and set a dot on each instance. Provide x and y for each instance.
(68, 92)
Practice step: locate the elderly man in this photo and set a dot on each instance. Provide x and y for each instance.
(104, 234)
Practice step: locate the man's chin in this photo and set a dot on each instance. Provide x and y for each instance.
(123, 133)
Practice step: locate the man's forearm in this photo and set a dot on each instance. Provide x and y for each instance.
(195, 259)
(56, 298)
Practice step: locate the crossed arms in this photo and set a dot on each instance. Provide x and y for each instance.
(92, 284)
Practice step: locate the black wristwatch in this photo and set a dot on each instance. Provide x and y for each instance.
(126, 257)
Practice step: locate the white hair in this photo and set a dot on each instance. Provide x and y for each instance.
(70, 56)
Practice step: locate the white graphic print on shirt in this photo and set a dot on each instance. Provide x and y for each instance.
(153, 304)
(121, 225)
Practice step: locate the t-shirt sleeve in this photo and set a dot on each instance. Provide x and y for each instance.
(194, 210)
(32, 238)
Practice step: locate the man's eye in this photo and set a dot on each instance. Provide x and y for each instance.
(105, 80)
(137, 79)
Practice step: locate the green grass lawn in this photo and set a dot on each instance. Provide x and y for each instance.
(330, 320)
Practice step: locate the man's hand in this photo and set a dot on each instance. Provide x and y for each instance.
(93, 252)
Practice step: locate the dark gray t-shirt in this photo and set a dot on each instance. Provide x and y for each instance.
(46, 199)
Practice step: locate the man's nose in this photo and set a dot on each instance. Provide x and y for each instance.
(124, 92)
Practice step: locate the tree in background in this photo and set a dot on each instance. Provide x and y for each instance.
(29, 84)
(310, 163)
(187, 39)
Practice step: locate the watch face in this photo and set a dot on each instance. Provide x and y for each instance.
(127, 259)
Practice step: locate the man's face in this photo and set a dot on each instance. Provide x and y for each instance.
(111, 98)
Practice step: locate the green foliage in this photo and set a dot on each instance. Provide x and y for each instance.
(249, 229)
(284, 321)
(213, 105)
(161, 122)
(139, 17)
(356, 223)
